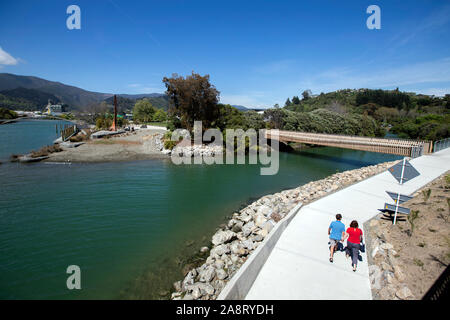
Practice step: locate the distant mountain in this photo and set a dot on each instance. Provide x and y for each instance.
(25, 99)
(242, 108)
(127, 101)
(73, 96)
(123, 104)
(143, 95)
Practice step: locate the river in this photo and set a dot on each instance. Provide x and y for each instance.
(127, 225)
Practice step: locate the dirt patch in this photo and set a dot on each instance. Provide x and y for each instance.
(115, 141)
(406, 259)
(128, 146)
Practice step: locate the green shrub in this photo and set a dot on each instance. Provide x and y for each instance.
(169, 144)
(426, 195)
(418, 262)
(7, 114)
(143, 111)
(411, 219)
(167, 135)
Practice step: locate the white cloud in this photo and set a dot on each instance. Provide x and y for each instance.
(7, 59)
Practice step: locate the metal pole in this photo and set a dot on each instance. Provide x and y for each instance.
(396, 207)
(398, 197)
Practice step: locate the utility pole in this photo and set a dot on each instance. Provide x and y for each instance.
(114, 124)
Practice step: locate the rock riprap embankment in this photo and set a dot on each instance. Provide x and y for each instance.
(246, 230)
(386, 272)
(198, 150)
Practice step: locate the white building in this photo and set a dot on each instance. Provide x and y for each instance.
(53, 109)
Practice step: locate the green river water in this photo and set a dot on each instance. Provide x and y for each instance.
(127, 225)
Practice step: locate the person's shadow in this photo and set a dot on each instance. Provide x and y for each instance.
(344, 249)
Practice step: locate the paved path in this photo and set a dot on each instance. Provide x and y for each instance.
(298, 266)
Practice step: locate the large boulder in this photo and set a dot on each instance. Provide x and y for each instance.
(257, 238)
(248, 244)
(223, 237)
(189, 279)
(199, 290)
(245, 217)
(218, 284)
(259, 219)
(207, 274)
(237, 227)
(375, 276)
(404, 293)
(268, 225)
(265, 210)
(221, 274)
(248, 228)
(219, 264)
(398, 273)
(220, 250)
(177, 286)
(386, 246)
(237, 248)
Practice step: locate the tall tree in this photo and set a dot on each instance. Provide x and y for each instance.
(192, 98)
(306, 94)
(295, 100)
(160, 115)
(143, 111)
(288, 102)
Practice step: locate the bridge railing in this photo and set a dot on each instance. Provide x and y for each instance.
(398, 141)
(413, 148)
(441, 144)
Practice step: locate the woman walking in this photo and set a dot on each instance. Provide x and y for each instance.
(354, 238)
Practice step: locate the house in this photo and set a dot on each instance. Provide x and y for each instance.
(53, 109)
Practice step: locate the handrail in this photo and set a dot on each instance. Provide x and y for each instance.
(403, 147)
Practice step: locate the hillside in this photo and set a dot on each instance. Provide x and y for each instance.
(241, 108)
(406, 114)
(32, 93)
(73, 96)
(127, 102)
(25, 99)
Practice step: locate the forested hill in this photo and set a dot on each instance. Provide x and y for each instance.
(127, 102)
(409, 115)
(32, 93)
(25, 99)
(73, 96)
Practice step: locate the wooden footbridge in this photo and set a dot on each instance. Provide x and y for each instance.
(401, 147)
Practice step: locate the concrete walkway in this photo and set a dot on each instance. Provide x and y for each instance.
(298, 266)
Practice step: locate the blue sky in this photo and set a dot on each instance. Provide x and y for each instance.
(257, 53)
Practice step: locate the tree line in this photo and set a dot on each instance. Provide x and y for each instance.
(405, 114)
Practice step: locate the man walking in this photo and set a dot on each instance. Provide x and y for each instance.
(336, 231)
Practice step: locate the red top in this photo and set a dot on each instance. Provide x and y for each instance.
(354, 235)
